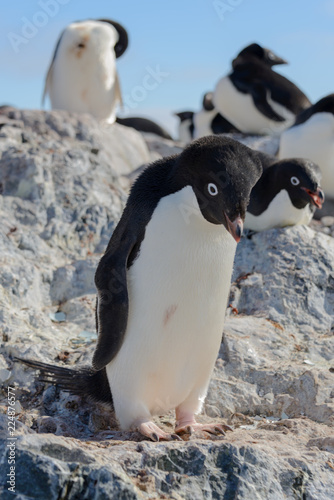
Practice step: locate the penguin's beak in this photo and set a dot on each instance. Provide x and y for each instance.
(235, 227)
(317, 198)
(279, 60)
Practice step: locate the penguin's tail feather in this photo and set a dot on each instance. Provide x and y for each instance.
(84, 382)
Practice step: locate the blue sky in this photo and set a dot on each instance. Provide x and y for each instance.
(190, 43)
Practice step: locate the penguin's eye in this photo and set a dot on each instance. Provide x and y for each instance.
(295, 181)
(212, 188)
(81, 45)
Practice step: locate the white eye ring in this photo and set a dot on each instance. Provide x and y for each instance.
(212, 188)
(295, 181)
(271, 55)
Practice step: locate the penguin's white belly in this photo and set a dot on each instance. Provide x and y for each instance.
(77, 89)
(178, 289)
(279, 213)
(239, 109)
(202, 122)
(184, 132)
(314, 140)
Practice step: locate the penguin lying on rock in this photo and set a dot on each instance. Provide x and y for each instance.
(144, 125)
(287, 194)
(82, 76)
(312, 137)
(256, 99)
(163, 285)
(209, 121)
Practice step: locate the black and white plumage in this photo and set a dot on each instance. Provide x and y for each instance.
(256, 99)
(287, 194)
(209, 121)
(82, 76)
(144, 125)
(163, 286)
(312, 137)
(186, 126)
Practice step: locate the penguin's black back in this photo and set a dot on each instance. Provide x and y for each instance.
(144, 125)
(325, 105)
(249, 74)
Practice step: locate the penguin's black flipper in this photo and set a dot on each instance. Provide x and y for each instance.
(112, 294)
(260, 95)
(249, 83)
(83, 382)
(48, 78)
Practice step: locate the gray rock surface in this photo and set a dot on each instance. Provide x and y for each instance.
(62, 192)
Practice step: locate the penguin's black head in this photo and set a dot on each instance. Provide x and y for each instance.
(301, 179)
(207, 102)
(123, 39)
(185, 115)
(221, 172)
(254, 52)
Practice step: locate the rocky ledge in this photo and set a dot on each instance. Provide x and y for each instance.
(63, 186)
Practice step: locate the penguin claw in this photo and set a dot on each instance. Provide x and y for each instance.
(175, 437)
(188, 429)
(219, 430)
(214, 429)
(153, 432)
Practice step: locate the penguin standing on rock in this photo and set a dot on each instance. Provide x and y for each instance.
(256, 99)
(287, 194)
(312, 137)
(163, 285)
(82, 76)
(209, 121)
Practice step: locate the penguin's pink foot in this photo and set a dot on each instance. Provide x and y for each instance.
(186, 424)
(153, 432)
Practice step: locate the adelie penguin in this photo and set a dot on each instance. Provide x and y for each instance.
(205, 122)
(312, 136)
(256, 99)
(186, 126)
(208, 121)
(163, 285)
(287, 194)
(82, 76)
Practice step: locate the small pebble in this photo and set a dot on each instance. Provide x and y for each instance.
(47, 425)
(57, 317)
(327, 221)
(4, 375)
(18, 407)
